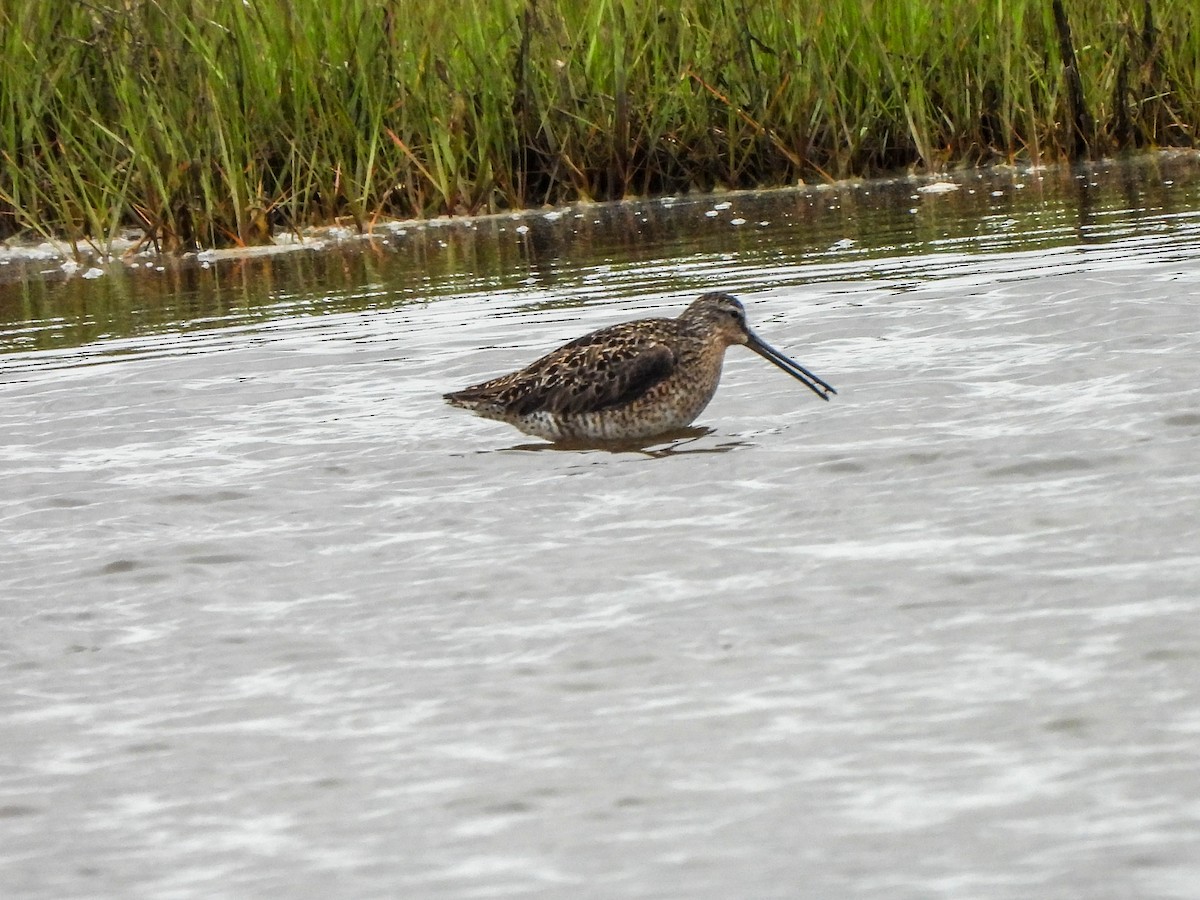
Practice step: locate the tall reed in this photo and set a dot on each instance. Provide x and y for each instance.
(208, 123)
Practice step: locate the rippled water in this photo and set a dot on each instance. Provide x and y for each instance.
(274, 621)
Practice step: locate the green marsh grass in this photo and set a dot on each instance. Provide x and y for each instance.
(214, 122)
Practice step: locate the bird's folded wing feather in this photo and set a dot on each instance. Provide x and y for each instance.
(594, 373)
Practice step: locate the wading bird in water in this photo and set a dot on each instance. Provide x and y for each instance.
(627, 382)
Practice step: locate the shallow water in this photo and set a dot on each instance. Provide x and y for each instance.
(275, 621)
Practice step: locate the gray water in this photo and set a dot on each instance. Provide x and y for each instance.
(274, 621)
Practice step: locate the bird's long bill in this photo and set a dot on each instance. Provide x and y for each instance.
(793, 368)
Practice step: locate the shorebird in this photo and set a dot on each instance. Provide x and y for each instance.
(627, 382)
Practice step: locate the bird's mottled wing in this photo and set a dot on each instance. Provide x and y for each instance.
(601, 370)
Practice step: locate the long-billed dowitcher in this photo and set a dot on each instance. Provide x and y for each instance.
(628, 382)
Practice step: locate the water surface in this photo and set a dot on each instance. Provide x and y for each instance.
(276, 621)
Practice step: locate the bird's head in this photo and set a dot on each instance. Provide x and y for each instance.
(721, 314)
